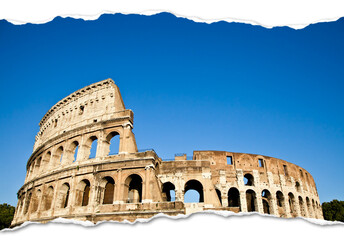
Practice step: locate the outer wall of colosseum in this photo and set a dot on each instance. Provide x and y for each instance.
(74, 172)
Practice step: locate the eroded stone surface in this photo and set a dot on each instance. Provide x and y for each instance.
(64, 180)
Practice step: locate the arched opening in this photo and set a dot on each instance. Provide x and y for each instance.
(280, 204)
(91, 145)
(314, 209)
(218, 193)
(83, 193)
(74, 148)
(109, 190)
(113, 140)
(291, 201)
(168, 192)
(27, 202)
(133, 188)
(36, 200)
(86, 193)
(298, 187)
(309, 207)
(48, 198)
(251, 201)
(248, 180)
(302, 207)
(234, 198)
(30, 170)
(266, 201)
(63, 196)
(46, 160)
(59, 154)
(193, 192)
(38, 165)
(20, 205)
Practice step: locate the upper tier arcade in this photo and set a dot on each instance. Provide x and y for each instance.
(97, 102)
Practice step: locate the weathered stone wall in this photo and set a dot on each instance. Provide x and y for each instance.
(63, 180)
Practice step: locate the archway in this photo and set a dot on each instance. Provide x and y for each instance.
(298, 187)
(38, 165)
(83, 193)
(113, 141)
(302, 207)
(59, 154)
(291, 201)
(109, 190)
(314, 209)
(251, 201)
(193, 192)
(63, 196)
(309, 207)
(74, 148)
(218, 193)
(248, 180)
(91, 147)
(169, 193)
(27, 202)
(46, 161)
(280, 203)
(266, 201)
(133, 188)
(36, 200)
(233, 197)
(48, 198)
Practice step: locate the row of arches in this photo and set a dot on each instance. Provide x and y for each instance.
(270, 204)
(82, 194)
(249, 181)
(74, 151)
(104, 193)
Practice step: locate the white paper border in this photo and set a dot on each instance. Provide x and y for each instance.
(268, 13)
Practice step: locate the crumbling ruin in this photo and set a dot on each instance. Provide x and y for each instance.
(75, 173)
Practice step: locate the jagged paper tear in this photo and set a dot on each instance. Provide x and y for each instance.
(296, 14)
(212, 219)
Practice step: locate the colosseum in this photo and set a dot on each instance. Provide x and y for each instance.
(85, 165)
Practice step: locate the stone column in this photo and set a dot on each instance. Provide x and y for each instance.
(127, 141)
(273, 207)
(179, 186)
(286, 206)
(68, 157)
(243, 201)
(147, 198)
(119, 198)
(207, 194)
(72, 194)
(259, 203)
(240, 178)
(83, 148)
(102, 146)
(310, 210)
(224, 196)
(306, 208)
(297, 207)
(93, 192)
(53, 202)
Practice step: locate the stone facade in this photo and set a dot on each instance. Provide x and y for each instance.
(73, 174)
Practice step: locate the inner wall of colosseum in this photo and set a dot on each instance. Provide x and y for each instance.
(85, 165)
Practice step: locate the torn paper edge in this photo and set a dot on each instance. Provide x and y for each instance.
(197, 19)
(225, 214)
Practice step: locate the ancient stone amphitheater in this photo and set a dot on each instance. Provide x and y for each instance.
(74, 172)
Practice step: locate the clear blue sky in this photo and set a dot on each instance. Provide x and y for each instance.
(192, 86)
